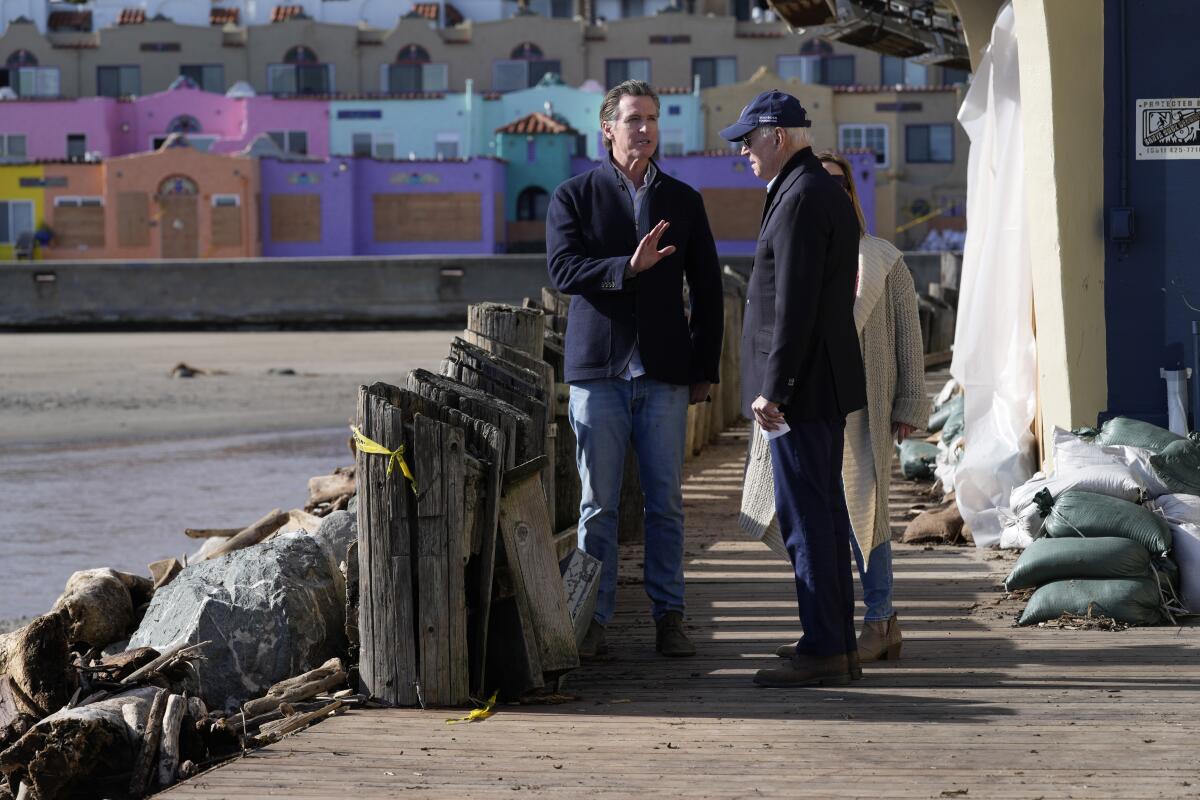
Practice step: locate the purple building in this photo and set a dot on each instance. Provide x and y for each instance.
(348, 206)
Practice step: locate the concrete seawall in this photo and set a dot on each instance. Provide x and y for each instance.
(278, 291)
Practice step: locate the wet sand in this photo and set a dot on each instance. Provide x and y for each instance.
(87, 387)
(105, 458)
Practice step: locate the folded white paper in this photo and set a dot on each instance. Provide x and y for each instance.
(775, 434)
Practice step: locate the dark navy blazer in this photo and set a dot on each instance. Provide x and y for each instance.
(799, 344)
(591, 236)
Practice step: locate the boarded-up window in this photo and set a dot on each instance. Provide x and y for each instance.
(295, 218)
(227, 226)
(133, 219)
(734, 213)
(498, 216)
(451, 217)
(79, 226)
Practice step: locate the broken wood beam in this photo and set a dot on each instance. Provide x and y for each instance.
(168, 747)
(145, 759)
(253, 534)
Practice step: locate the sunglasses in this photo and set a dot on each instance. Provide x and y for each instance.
(747, 141)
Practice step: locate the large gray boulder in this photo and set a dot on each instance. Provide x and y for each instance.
(338, 530)
(271, 611)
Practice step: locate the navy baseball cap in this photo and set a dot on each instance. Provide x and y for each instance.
(769, 108)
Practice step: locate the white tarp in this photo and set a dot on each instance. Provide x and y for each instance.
(994, 350)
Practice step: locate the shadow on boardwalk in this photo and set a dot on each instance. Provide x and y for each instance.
(976, 707)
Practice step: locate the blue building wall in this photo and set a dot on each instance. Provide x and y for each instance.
(1150, 284)
(412, 124)
(542, 160)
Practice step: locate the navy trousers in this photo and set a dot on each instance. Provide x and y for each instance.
(811, 508)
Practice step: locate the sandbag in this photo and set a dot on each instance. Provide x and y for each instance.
(1134, 601)
(938, 525)
(1128, 432)
(1177, 507)
(940, 415)
(1073, 453)
(1113, 480)
(1187, 556)
(1049, 560)
(1178, 467)
(1090, 515)
(956, 422)
(917, 459)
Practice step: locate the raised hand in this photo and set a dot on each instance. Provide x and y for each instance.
(647, 253)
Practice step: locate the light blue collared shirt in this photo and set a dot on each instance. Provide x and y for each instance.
(635, 368)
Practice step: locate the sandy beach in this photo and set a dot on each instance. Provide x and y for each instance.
(87, 387)
(105, 458)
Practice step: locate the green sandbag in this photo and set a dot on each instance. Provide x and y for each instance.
(1092, 516)
(1178, 467)
(1127, 432)
(1049, 560)
(917, 459)
(1134, 601)
(937, 420)
(956, 423)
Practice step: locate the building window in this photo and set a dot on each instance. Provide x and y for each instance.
(715, 71)
(177, 185)
(866, 137)
(76, 145)
(817, 64)
(291, 142)
(562, 9)
(68, 201)
(226, 201)
(118, 81)
(670, 142)
(380, 145)
(532, 203)
(184, 123)
(194, 141)
(209, 77)
(412, 72)
(16, 218)
(300, 73)
(633, 8)
(446, 145)
(901, 72)
(524, 67)
(360, 145)
(12, 147)
(22, 74)
(619, 70)
(953, 77)
(929, 144)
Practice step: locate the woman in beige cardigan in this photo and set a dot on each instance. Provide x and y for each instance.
(885, 313)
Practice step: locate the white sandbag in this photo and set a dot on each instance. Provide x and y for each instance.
(1186, 548)
(1014, 533)
(1178, 507)
(1113, 480)
(1072, 453)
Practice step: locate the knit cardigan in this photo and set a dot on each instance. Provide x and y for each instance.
(885, 313)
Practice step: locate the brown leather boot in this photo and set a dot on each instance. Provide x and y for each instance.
(880, 640)
(786, 650)
(805, 670)
(671, 640)
(854, 666)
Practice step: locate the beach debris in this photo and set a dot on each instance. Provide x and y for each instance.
(940, 525)
(327, 493)
(99, 604)
(255, 533)
(182, 370)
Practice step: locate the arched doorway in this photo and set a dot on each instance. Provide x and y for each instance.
(532, 203)
(178, 200)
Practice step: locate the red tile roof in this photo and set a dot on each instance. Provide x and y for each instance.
(759, 35)
(284, 13)
(536, 122)
(224, 16)
(132, 16)
(430, 11)
(69, 21)
(661, 90)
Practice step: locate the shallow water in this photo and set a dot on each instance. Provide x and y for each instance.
(123, 506)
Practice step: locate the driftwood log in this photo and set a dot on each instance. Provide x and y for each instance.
(253, 534)
(168, 746)
(301, 687)
(80, 747)
(325, 488)
(147, 754)
(35, 659)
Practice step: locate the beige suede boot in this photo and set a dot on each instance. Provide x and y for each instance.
(880, 641)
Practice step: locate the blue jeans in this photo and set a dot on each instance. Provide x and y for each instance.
(876, 581)
(605, 415)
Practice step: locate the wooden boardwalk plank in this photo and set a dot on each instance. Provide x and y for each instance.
(976, 705)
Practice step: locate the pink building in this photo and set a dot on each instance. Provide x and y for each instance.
(58, 129)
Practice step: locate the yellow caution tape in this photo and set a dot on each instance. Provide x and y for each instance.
(395, 457)
(479, 714)
(937, 212)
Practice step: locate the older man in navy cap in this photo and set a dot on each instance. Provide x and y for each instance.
(802, 374)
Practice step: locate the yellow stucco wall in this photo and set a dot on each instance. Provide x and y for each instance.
(1062, 100)
(12, 190)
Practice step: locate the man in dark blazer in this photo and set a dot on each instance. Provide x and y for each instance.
(621, 239)
(802, 374)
